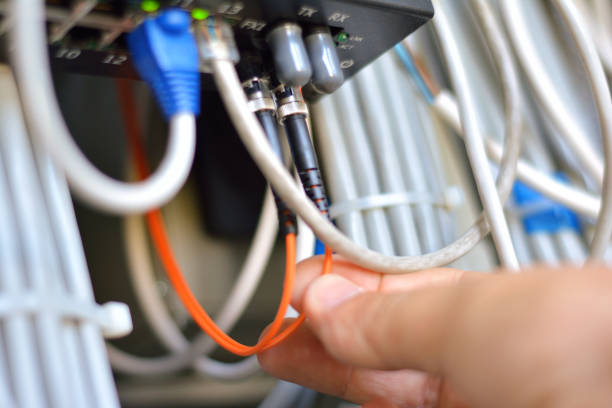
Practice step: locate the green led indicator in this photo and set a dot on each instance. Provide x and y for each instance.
(342, 37)
(199, 14)
(149, 6)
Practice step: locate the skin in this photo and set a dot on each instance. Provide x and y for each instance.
(445, 338)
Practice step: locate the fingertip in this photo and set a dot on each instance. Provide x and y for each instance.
(267, 359)
(311, 268)
(306, 272)
(326, 293)
(379, 404)
(269, 356)
(286, 322)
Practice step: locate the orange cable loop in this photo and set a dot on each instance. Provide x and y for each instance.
(162, 245)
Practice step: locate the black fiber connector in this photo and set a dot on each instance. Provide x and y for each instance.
(268, 122)
(286, 218)
(256, 91)
(305, 160)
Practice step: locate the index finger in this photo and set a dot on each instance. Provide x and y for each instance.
(370, 281)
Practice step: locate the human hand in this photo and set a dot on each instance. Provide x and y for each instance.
(445, 338)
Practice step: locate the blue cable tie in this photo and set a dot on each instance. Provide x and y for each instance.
(165, 54)
(547, 216)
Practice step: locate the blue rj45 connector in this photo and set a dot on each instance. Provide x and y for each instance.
(165, 55)
(541, 214)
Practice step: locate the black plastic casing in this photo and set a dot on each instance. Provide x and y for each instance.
(370, 26)
(286, 218)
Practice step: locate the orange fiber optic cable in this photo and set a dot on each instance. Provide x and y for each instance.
(164, 250)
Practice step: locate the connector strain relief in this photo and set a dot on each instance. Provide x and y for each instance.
(178, 92)
(313, 185)
(286, 218)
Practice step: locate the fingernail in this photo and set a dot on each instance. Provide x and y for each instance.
(330, 291)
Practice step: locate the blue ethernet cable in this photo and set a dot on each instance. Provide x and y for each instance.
(409, 64)
(165, 54)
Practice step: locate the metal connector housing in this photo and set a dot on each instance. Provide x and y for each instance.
(215, 42)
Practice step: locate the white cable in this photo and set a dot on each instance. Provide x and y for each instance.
(341, 182)
(543, 243)
(40, 267)
(183, 352)
(6, 395)
(142, 366)
(509, 78)
(305, 242)
(546, 91)
(571, 197)
(144, 284)
(283, 395)
(70, 248)
(44, 214)
(603, 11)
(597, 15)
(543, 247)
(585, 203)
(31, 64)
(380, 134)
(410, 162)
(346, 110)
(254, 140)
(603, 103)
(474, 142)
(430, 144)
(519, 236)
(305, 248)
(571, 246)
(17, 331)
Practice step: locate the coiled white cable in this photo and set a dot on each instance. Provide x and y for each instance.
(546, 90)
(603, 103)
(508, 76)
(474, 143)
(29, 57)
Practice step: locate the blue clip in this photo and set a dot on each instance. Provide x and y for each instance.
(541, 214)
(319, 247)
(166, 56)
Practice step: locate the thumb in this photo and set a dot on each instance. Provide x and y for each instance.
(382, 330)
(379, 404)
